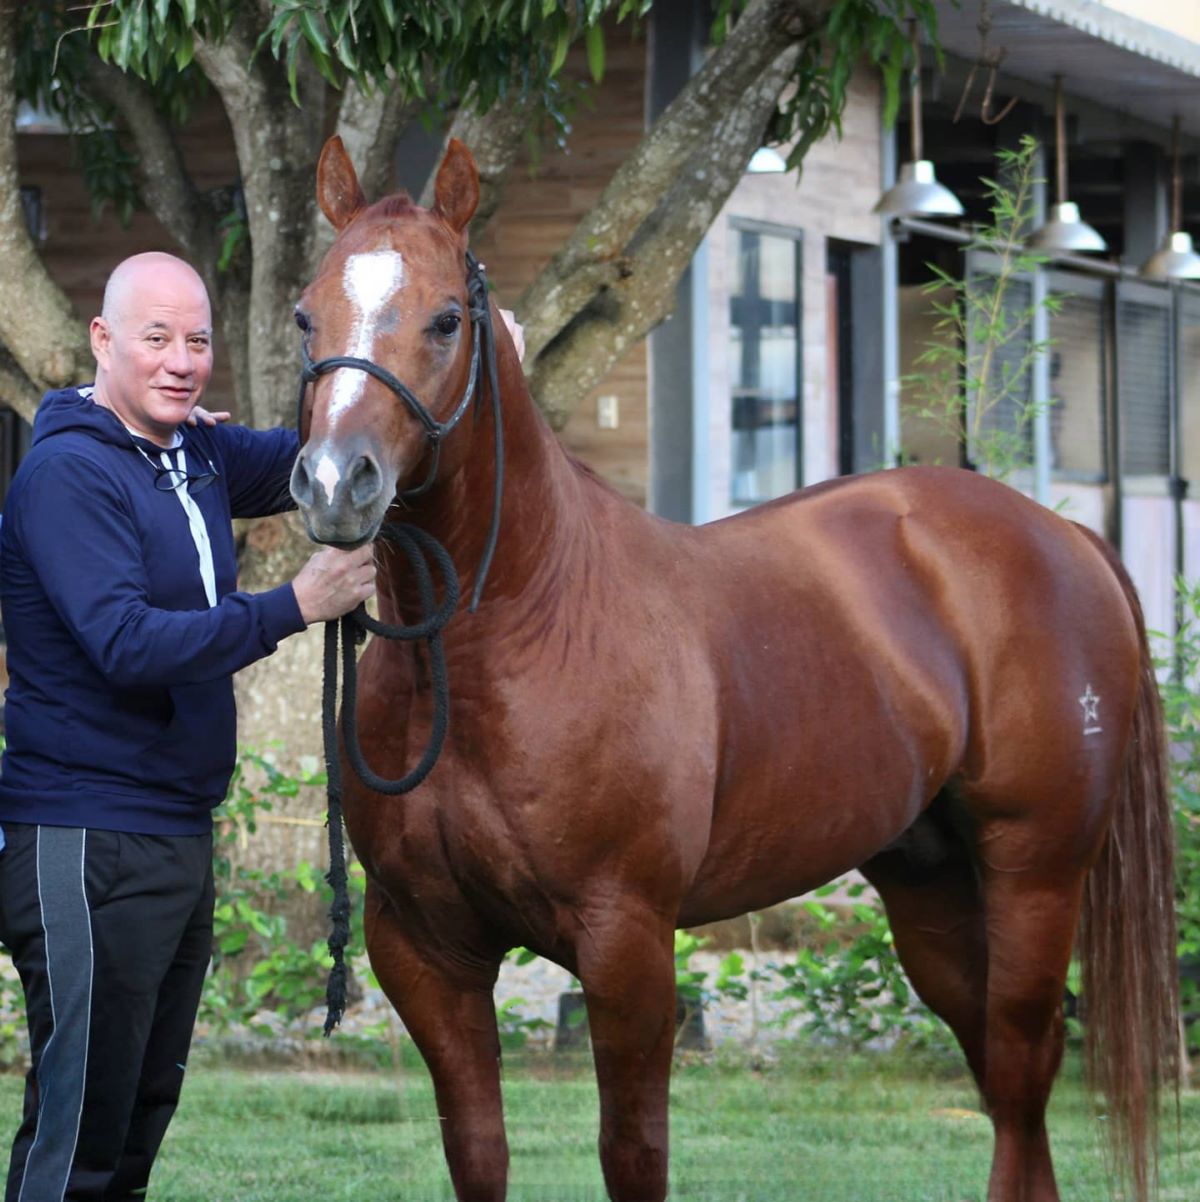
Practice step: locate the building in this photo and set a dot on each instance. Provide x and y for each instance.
(803, 310)
(813, 310)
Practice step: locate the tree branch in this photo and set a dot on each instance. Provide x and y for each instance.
(494, 139)
(277, 146)
(734, 70)
(17, 390)
(165, 184)
(46, 342)
(369, 125)
(635, 299)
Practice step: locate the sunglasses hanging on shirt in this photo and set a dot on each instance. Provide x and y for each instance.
(168, 479)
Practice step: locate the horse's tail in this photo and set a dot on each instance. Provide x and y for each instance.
(1127, 939)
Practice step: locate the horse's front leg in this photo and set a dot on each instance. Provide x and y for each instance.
(626, 965)
(451, 1015)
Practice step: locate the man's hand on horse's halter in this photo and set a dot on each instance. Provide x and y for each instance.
(333, 582)
(516, 330)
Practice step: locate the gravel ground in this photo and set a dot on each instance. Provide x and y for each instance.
(531, 992)
(527, 995)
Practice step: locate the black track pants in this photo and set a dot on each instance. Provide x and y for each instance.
(111, 934)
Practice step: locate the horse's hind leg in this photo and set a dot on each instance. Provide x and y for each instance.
(626, 966)
(1033, 890)
(452, 1019)
(987, 945)
(935, 910)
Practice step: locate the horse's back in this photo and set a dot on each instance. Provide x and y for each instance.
(985, 558)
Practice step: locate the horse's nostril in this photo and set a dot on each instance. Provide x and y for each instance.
(301, 485)
(366, 481)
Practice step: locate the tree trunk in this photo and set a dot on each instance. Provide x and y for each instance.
(43, 344)
(277, 144)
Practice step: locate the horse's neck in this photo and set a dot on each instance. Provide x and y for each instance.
(544, 525)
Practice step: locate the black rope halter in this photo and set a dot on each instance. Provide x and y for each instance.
(421, 549)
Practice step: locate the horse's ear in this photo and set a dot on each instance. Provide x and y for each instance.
(338, 191)
(456, 192)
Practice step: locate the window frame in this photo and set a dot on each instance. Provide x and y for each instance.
(794, 234)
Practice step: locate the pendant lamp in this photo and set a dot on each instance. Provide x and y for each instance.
(917, 193)
(1176, 259)
(1065, 230)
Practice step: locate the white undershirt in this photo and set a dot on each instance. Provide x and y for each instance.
(195, 525)
(195, 518)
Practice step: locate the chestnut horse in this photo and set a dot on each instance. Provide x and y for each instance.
(919, 673)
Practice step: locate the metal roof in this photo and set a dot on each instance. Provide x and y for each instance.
(1126, 66)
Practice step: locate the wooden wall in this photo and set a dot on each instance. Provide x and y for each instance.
(545, 200)
(542, 205)
(80, 251)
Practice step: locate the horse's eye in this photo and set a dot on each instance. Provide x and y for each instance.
(447, 325)
(302, 320)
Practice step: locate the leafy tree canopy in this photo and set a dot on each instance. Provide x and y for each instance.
(446, 53)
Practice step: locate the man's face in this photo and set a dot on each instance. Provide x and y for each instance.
(154, 352)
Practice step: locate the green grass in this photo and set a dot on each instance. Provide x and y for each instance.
(809, 1129)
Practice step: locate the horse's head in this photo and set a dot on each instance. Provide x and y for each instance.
(392, 293)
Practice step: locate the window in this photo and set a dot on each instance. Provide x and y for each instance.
(1189, 388)
(1144, 378)
(1078, 380)
(765, 364)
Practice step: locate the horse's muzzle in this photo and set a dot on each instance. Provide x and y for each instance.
(342, 497)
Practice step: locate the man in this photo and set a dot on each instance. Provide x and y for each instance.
(117, 579)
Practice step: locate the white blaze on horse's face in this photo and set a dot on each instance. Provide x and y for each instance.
(370, 280)
(328, 475)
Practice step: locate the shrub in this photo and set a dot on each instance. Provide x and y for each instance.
(1181, 704)
(849, 988)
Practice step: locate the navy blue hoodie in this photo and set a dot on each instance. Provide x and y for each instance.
(120, 711)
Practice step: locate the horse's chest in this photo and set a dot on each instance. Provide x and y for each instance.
(449, 839)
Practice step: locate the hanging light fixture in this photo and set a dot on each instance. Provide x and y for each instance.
(1065, 230)
(1176, 259)
(766, 160)
(917, 193)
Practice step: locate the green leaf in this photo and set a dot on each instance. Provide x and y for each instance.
(560, 49)
(314, 32)
(123, 51)
(185, 50)
(893, 70)
(383, 40)
(291, 64)
(345, 53)
(594, 39)
(232, 942)
(278, 30)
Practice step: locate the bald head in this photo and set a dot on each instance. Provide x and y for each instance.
(153, 344)
(144, 278)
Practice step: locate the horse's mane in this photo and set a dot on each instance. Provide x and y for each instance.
(586, 469)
